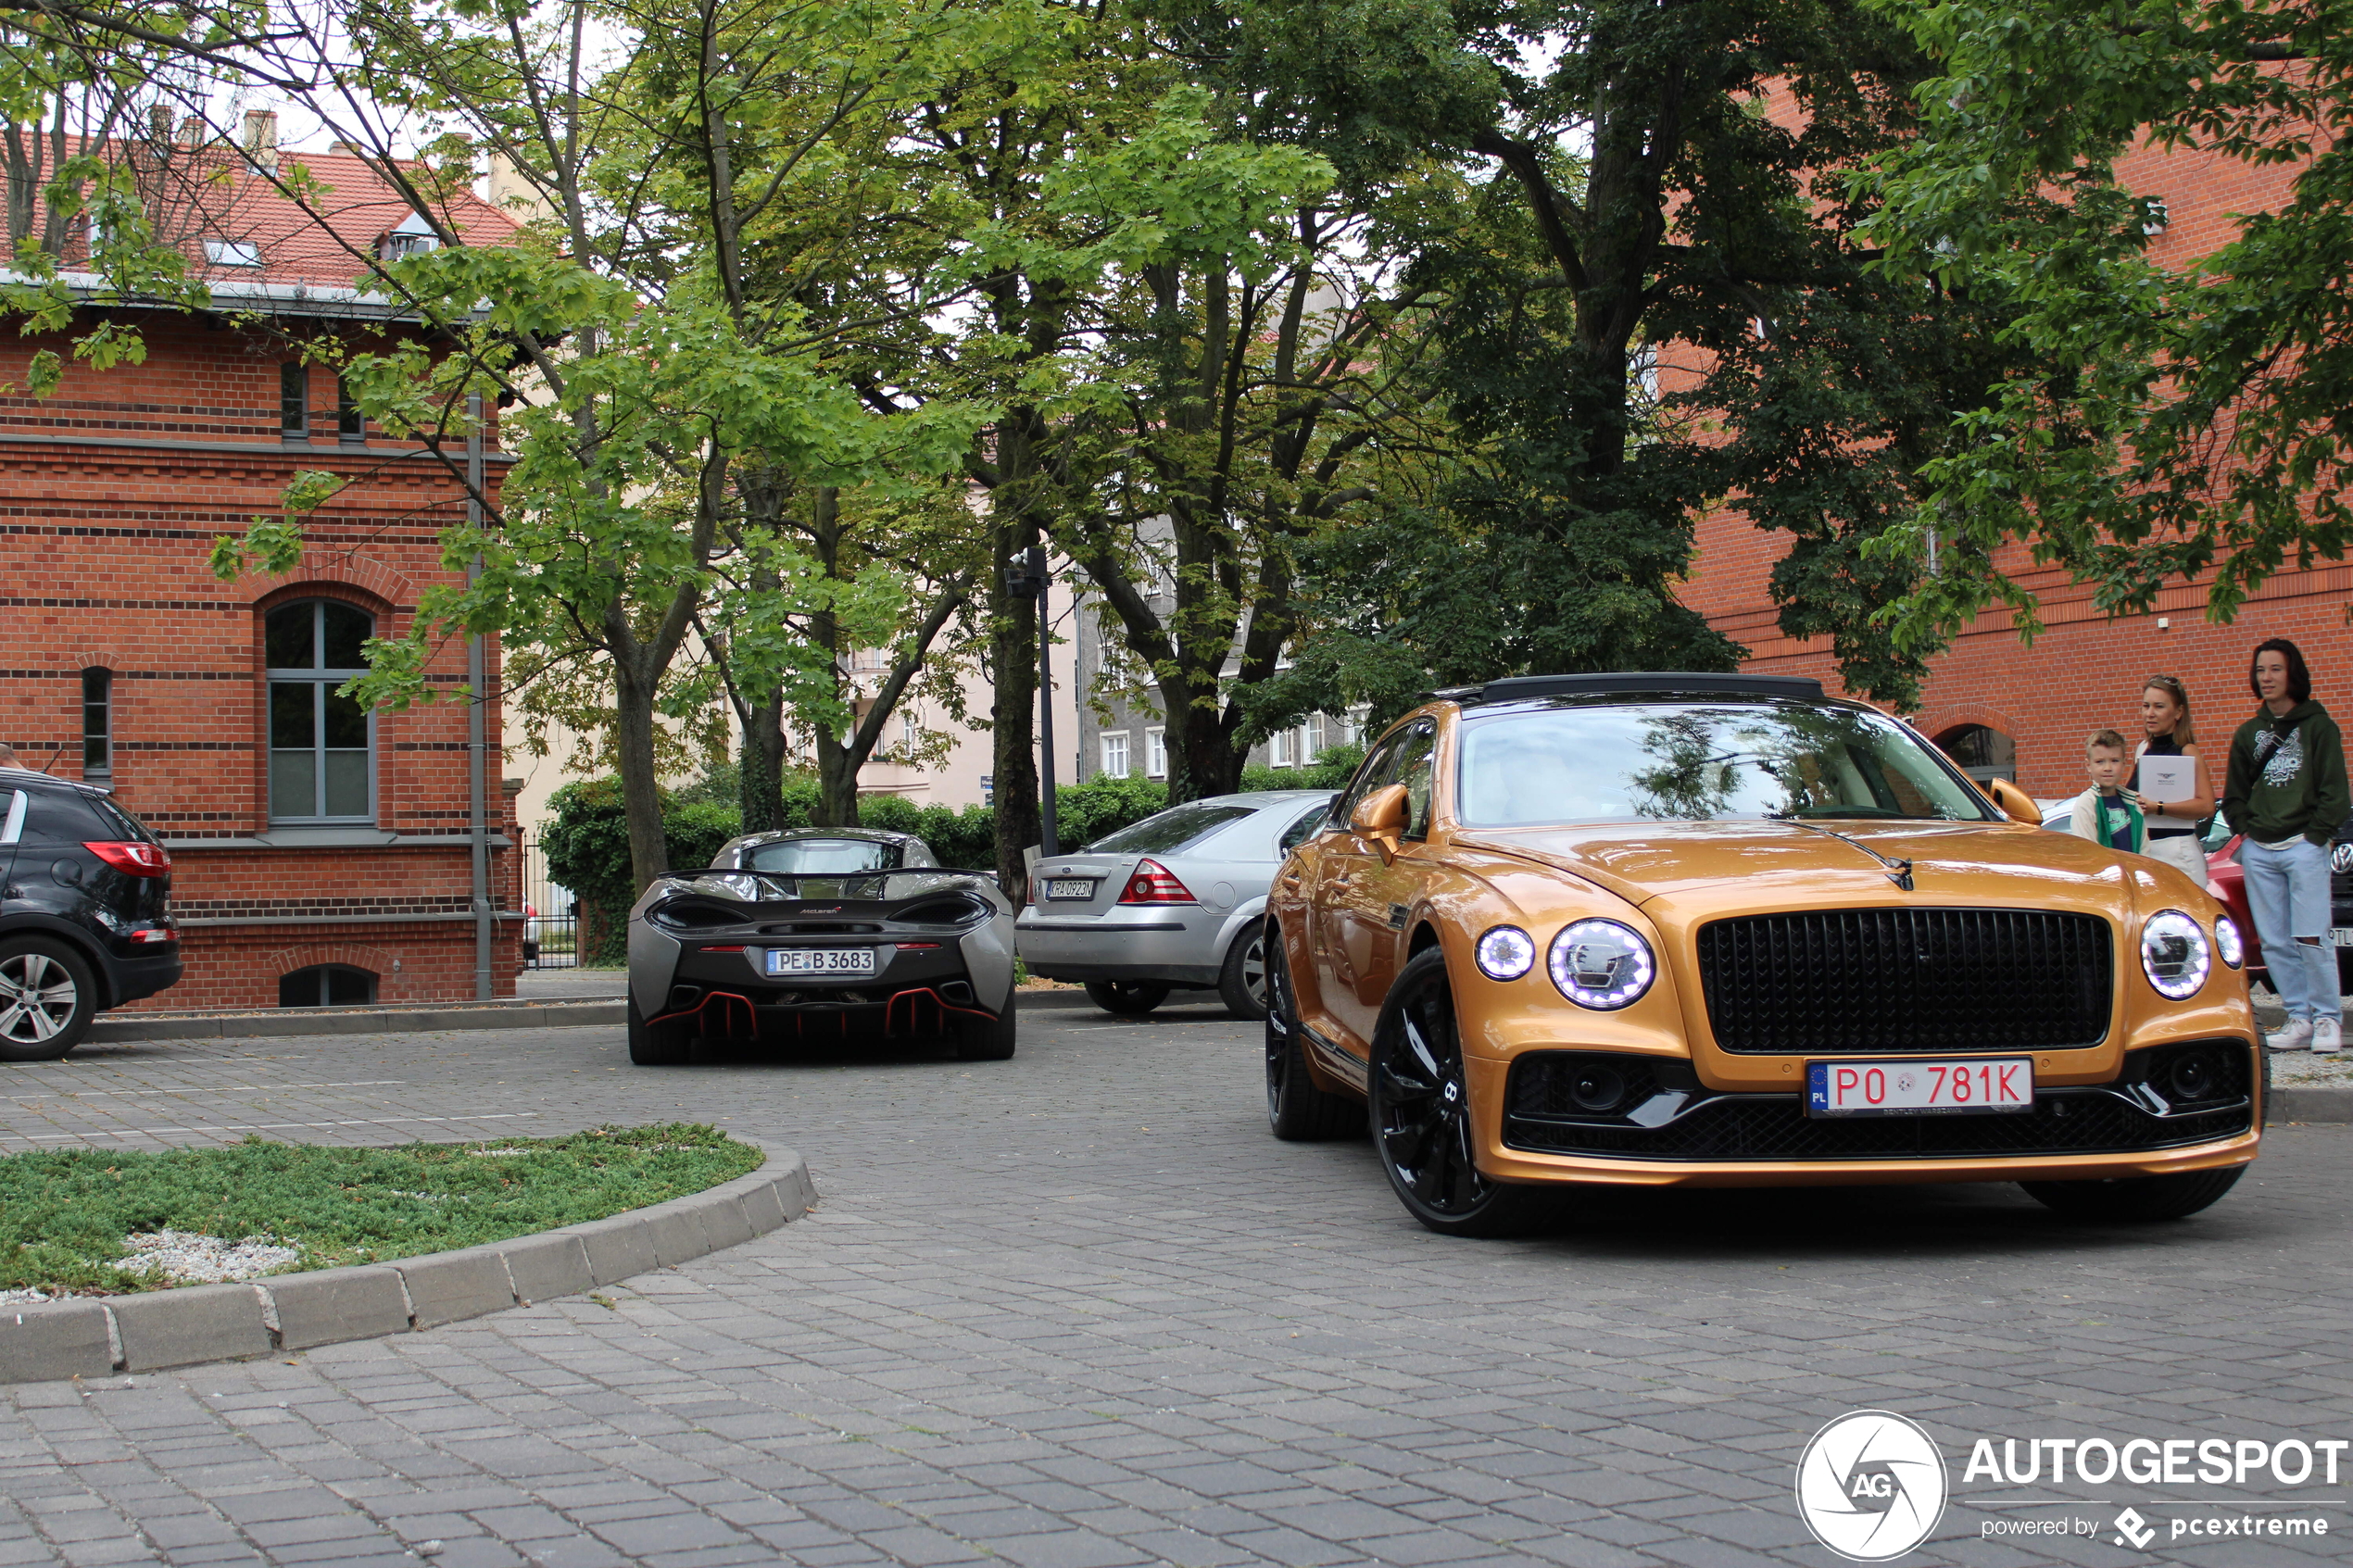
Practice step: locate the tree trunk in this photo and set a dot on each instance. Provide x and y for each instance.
(1013, 672)
(837, 785)
(760, 782)
(640, 790)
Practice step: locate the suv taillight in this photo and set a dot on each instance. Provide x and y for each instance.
(1152, 884)
(131, 857)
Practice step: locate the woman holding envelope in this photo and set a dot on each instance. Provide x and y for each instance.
(2168, 778)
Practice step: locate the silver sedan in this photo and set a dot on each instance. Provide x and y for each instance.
(1172, 902)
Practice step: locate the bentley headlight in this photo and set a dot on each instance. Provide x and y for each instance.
(1507, 953)
(2227, 941)
(2174, 954)
(1599, 963)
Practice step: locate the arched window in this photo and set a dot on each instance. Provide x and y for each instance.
(321, 744)
(1984, 754)
(326, 986)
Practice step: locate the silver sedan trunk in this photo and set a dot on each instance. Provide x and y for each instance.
(1172, 902)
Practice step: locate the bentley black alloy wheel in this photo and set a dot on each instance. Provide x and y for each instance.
(1420, 1110)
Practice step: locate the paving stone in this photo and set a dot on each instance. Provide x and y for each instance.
(617, 1248)
(328, 1306)
(678, 1232)
(1078, 1308)
(449, 1286)
(196, 1322)
(53, 1339)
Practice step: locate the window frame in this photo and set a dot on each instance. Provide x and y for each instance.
(294, 402)
(1107, 738)
(1156, 753)
(325, 972)
(322, 680)
(102, 772)
(351, 425)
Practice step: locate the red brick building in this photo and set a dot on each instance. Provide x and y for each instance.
(2005, 709)
(320, 853)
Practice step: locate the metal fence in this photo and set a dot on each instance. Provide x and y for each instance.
(551, 915)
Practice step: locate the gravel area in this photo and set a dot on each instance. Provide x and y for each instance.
(188, 1258)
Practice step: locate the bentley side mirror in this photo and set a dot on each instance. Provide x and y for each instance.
(1380, 817)
(2016, 804)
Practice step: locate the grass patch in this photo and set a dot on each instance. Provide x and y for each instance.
(64, 1213)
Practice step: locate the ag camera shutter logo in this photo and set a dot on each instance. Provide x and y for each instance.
(1871, 1486)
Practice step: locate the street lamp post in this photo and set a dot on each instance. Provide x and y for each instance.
(1024, 578)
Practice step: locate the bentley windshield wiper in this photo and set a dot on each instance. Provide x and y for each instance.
(1898, 872)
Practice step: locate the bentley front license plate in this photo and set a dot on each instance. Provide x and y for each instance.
(821, 961)
(1917, 1088)
(1070, 887)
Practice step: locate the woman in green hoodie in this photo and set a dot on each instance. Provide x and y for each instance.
(2287, 795)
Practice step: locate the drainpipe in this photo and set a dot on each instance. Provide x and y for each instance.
(477, 678)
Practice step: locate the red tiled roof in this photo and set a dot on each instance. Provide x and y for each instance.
(214, 192)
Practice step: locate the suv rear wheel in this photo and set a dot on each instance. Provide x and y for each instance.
(1296, 1110)
(47, 997)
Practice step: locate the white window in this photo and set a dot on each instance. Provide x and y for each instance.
(1312, 739)
(906, 731)
(232, 253)
(1279, 746)
(414, 237)
(1115, 755)
(1155, 754)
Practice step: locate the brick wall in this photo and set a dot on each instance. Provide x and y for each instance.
(112, 492)
(2085, 672)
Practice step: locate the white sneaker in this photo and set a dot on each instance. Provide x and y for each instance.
(2293, 1037)
(2328, 1036)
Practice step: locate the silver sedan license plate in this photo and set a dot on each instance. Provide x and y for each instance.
(821, 961)
(1070, 887)
(1919, 1088)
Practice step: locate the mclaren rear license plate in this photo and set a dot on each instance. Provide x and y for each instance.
(1919, 1088)
(1070, 887)
(821, 961)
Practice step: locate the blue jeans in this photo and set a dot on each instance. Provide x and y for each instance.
(2287, 892)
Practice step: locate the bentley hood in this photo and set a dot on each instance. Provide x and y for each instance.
(1686, 870)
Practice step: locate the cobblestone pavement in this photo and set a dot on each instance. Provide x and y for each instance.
(1077, 1310)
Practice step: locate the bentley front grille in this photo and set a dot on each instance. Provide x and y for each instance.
(1906, 980)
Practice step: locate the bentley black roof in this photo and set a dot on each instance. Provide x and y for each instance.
(1663, 683)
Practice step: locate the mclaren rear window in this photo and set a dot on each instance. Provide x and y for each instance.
(821, 857)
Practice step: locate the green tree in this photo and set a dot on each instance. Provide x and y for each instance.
(2169, 423)
(1624, 213)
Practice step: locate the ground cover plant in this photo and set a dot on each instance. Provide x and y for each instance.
(66, 1215)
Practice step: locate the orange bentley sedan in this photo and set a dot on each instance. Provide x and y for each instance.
(1650, 930)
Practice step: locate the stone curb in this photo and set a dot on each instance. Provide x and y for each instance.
(359, 1021)
(2309, 1102)
(94, 1337)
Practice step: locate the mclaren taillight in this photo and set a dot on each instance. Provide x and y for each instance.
(1153, 883)
(133, 858)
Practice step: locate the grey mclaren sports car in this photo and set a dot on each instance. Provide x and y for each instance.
(821, 934)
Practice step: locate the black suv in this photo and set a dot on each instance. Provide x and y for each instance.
(83, 920)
